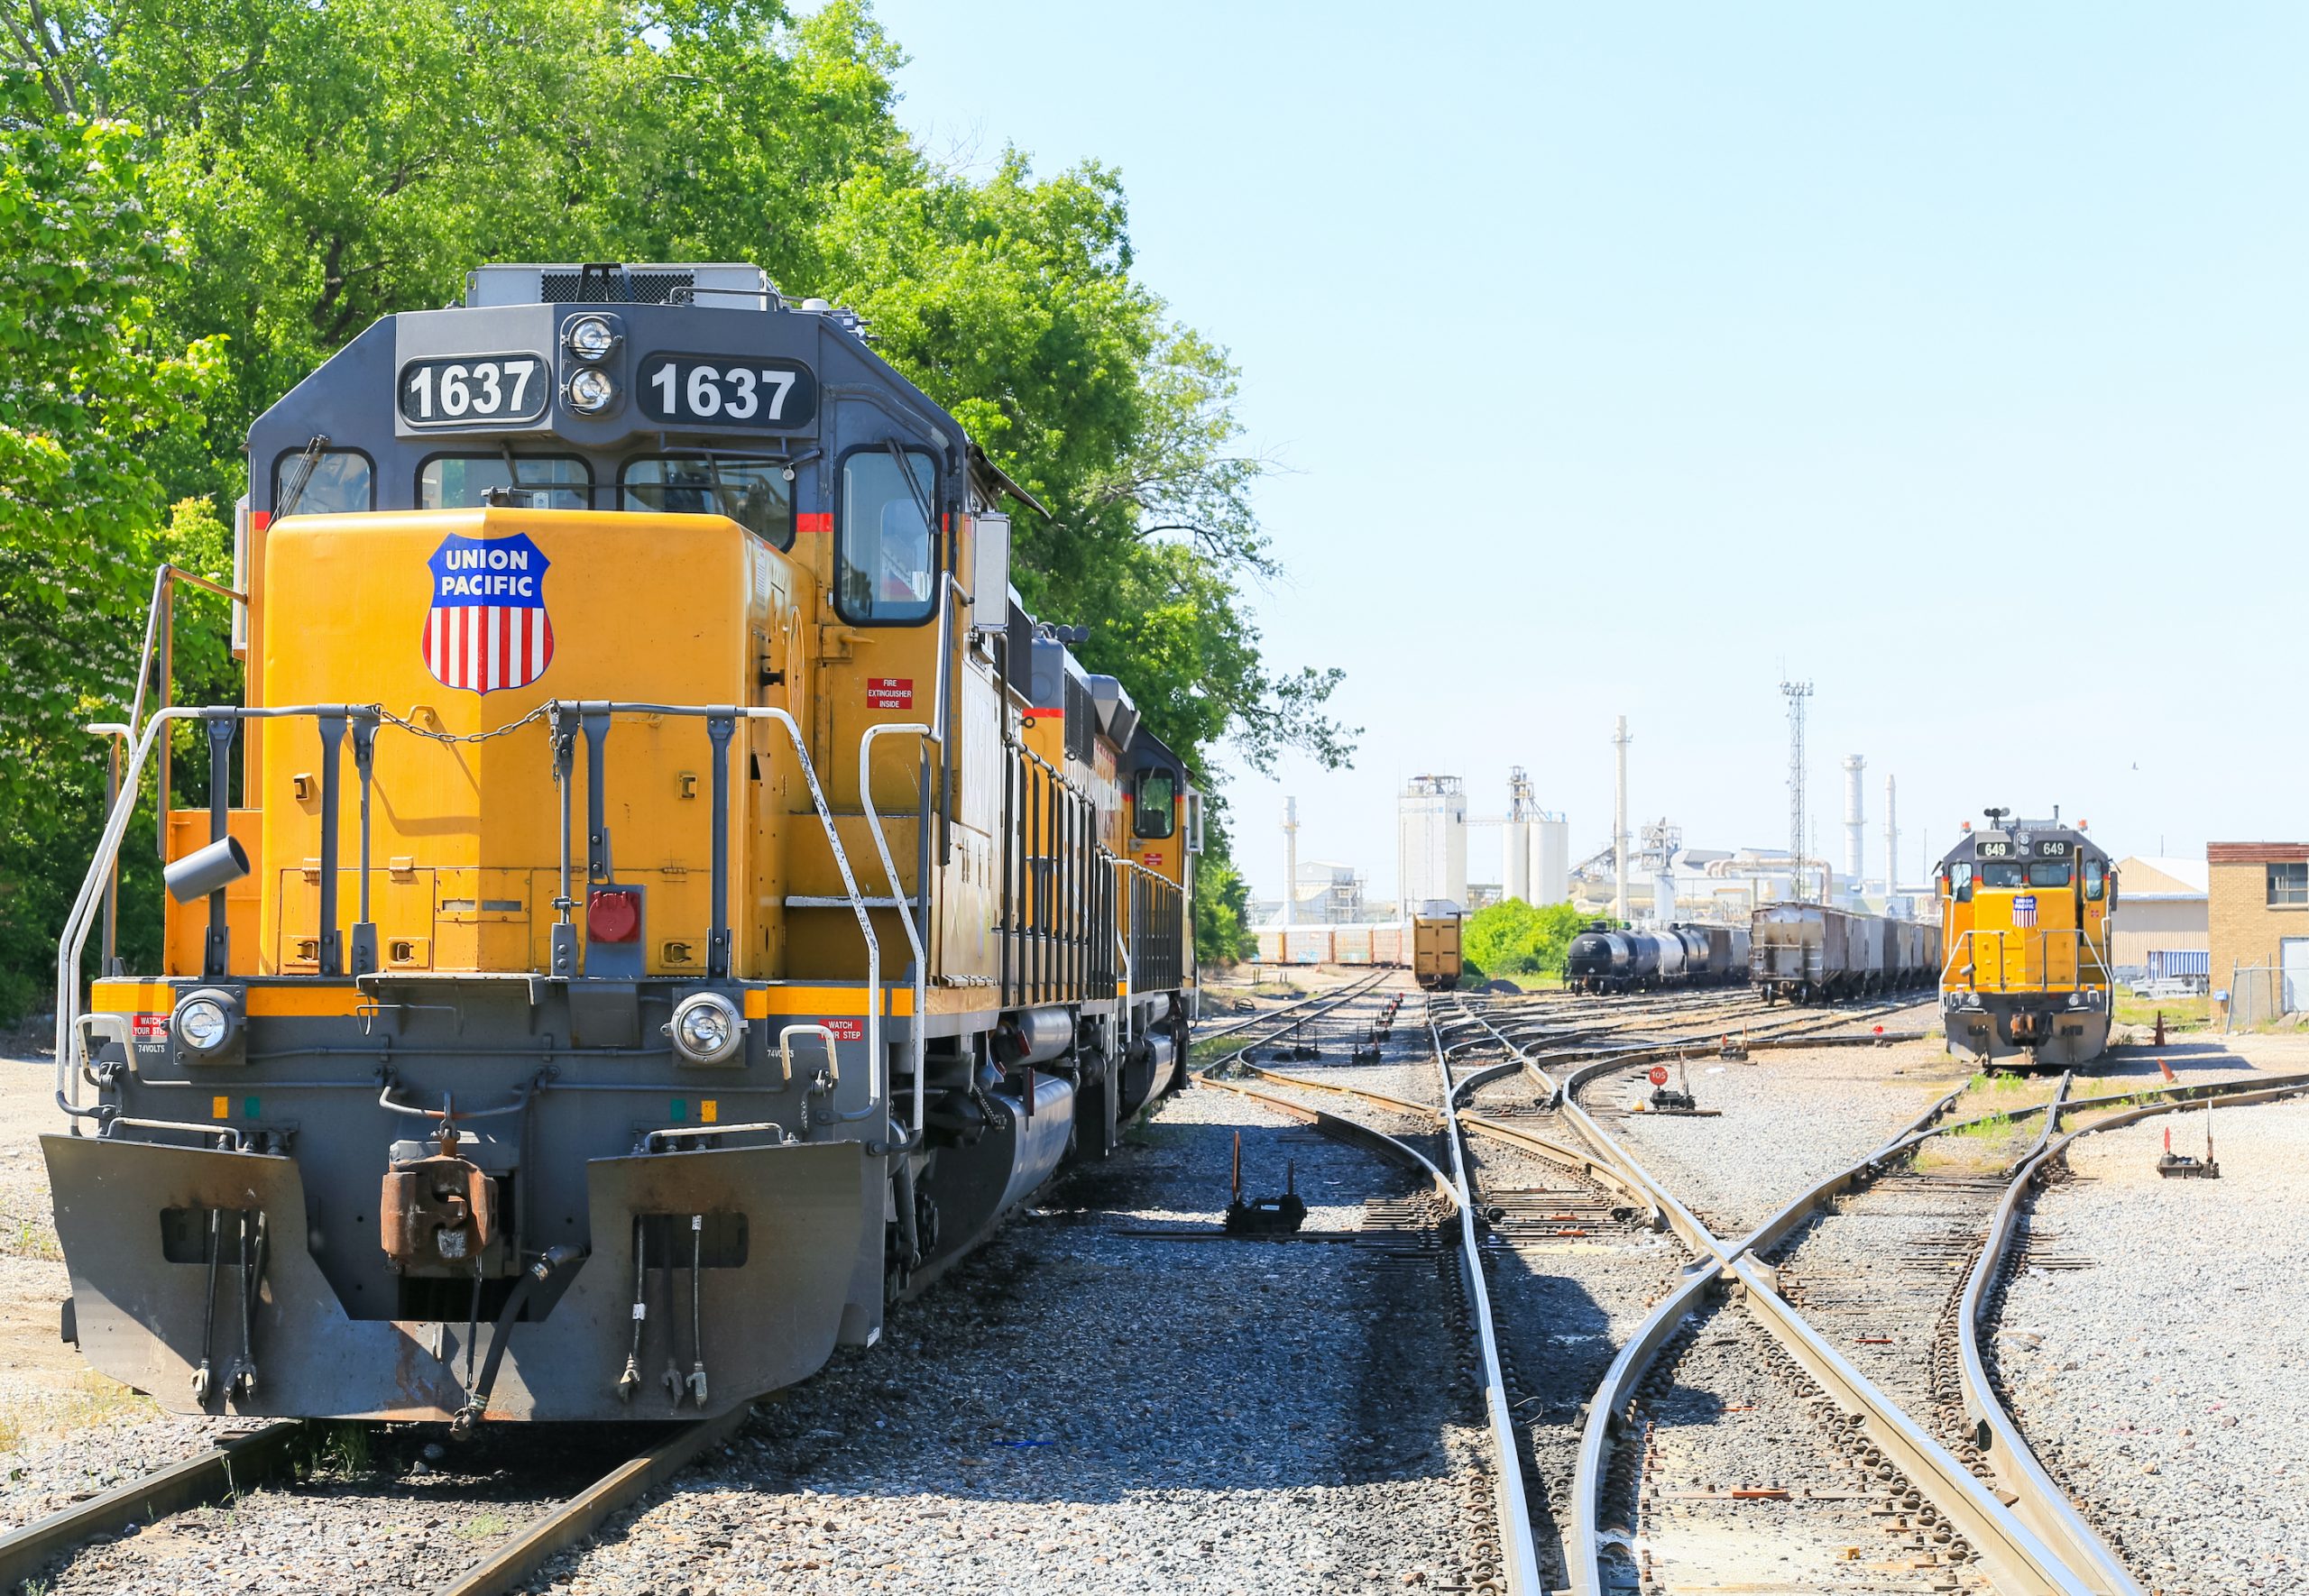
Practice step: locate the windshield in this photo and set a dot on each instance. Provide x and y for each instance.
(754, 493)
(2003, 873)
(464, 481)
(2049, 873)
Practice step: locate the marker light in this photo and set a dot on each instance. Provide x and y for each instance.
(612, 917)
(591, 391)
(592, 338)
(706, 1028)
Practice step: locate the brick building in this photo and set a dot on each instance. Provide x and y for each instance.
(2258, 922)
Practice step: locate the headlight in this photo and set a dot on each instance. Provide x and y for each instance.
(201, 1024)
(592, 391)
(205, 1023)
(706, 1028)
(591, 337)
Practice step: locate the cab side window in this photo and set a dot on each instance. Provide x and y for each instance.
(886, 565)
(2096, 880)
(1960, 882)
(1153, 813)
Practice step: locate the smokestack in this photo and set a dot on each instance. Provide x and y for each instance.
(1892, 839)
(1619, 825)
(1853, 823)
(1291, 861)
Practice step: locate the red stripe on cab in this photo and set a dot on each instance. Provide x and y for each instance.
(813, 521)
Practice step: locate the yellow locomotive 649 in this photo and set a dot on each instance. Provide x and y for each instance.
(2025, 912)
(677, 899)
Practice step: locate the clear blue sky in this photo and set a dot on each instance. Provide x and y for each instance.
(1628, 357)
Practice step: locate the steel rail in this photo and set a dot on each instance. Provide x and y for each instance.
(224, 1470)
(577, 1518)
(1519, 1552)
(2021, 1559)
(2041, 1501)
(1519, 1546)
(1355, 988)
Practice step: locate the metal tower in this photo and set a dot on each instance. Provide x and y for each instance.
(1796, 694)
(1619, 740)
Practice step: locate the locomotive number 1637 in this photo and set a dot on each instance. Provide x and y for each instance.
(473, 387)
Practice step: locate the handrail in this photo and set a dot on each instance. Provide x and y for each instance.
(73, 940)
(898, 891)
(1122, 952)
(2081, 970)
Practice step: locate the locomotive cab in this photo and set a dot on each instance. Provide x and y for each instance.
(677, 901)
(2026, 911)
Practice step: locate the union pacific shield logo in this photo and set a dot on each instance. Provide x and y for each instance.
(487, 627)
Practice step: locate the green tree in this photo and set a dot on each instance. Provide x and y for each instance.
(1514, 938)
(87, 386)
(329, 164)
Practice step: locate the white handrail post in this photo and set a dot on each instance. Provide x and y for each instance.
(897, 892)
(877, 1083)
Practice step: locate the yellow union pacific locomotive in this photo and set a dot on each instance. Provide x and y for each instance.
(677, 899)
(2025, 912)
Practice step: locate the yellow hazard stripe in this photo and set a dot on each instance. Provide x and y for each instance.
(132, 998)
(299, 1002)
(762, 1003)
(318, 1001)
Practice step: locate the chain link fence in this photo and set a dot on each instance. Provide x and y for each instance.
(2259, 993)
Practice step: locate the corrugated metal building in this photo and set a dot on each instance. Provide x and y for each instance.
(2162, 907)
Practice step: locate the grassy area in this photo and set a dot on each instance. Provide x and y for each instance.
(2001, 1094)
(1521, 980)
(2181, 1014)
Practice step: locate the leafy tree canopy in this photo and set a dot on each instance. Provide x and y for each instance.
(1513, 938)
(203, 199)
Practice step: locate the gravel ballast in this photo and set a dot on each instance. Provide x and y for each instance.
(2164, 1384)
(1081, 1410)
(1786, 1120)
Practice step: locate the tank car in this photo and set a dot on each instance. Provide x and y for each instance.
(679, 901)
(1602, 959)
(2026, 912)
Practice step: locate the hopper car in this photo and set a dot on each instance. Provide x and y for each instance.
(1814, 953)
(661, 897)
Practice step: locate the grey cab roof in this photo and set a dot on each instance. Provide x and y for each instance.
(352, 399)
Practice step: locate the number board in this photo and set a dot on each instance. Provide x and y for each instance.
(466, 389)
(1997, 849)
(2052, 847)
(717, 393)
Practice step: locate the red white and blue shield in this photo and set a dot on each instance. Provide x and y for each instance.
(2024, 911)
(487, 627)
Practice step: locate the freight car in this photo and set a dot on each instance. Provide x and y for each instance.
(1435, 951)
(736, 903)
(1602, 959)
(1812, 953)
(2026, 907)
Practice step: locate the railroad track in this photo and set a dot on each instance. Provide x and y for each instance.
(1929, 1450)
(275, 1451)
(1954, 1528)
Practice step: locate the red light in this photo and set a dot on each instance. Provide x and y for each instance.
(613, 916)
